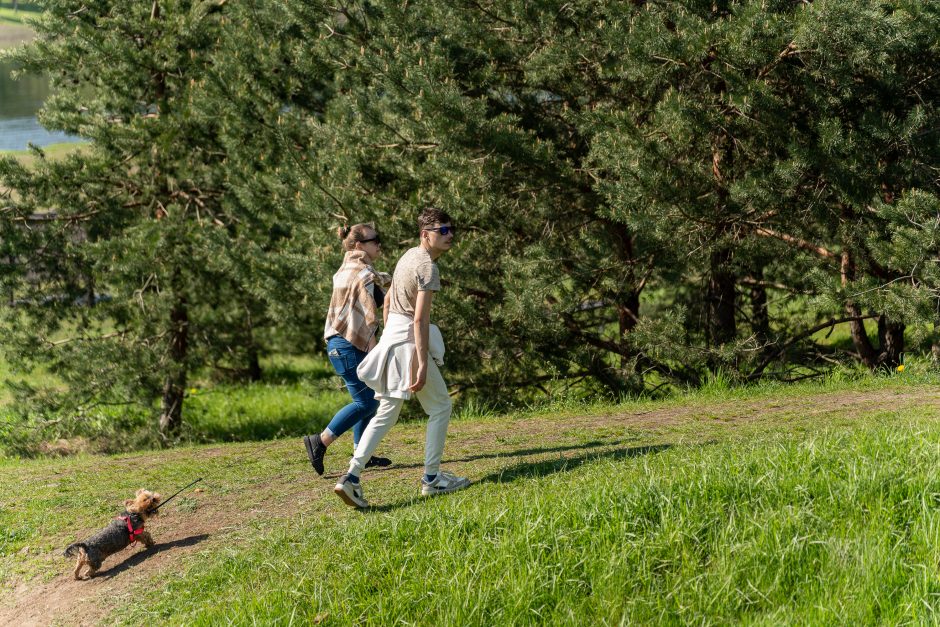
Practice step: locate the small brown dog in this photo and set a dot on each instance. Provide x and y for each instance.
(123, 531)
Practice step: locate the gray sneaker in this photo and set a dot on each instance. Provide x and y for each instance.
(350, 492)
(443, 483)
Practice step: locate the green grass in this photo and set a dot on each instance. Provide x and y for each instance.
(298, 396)
(45, 499)
(53, 151)
(21, 16)
(774, 530)
(836, 527)
(731, 513)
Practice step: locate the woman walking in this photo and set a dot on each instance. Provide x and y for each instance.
(351, 325)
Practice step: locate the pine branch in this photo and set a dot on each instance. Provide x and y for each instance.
(796, 241)
(752, 282)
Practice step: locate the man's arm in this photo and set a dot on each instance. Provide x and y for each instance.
(422, 325)
(388, 303)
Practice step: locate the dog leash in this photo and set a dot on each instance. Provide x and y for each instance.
(177, 492)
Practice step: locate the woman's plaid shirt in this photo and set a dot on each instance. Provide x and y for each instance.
(353, 313)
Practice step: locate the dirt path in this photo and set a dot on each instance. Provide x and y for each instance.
(474, 448)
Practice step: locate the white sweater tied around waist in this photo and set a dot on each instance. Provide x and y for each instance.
(387, 368)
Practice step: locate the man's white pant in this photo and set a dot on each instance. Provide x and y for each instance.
(436, 403)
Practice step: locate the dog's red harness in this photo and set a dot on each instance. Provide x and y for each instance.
(130, 528)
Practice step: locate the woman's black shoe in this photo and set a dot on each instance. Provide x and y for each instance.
(315, 452)
(378, 462)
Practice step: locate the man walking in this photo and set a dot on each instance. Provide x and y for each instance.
(406, 361)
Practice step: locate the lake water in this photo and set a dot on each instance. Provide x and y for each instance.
(19, 102)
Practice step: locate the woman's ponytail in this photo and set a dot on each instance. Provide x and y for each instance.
(352, 234)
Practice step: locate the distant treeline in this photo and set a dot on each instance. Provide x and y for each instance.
(646, 192)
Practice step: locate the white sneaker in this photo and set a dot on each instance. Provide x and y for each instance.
(443, 483)
(350, 492)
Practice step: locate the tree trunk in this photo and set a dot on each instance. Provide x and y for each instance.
(935, 344)
(935, 341)
(891, 338)
(760, 318)
(628, 305)
(720, 299)
(866, 352)
(628, 313)
(722, 282)
(90, 290)
(254, 363)
(174, 385)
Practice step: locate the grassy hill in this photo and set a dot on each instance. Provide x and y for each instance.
(23, 12)
(809, 504)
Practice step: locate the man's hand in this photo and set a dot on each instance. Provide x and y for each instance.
(421, 377)
(421, 324)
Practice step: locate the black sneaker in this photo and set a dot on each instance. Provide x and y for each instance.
(315, 452)
(378, 462)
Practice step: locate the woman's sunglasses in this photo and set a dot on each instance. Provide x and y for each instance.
(444, 230)
(376, 239)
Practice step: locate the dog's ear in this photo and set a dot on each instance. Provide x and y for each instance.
(128, 502)
(140, 491)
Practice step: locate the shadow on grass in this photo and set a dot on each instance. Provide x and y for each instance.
(528, 470)
(142, 555)
(496, 454)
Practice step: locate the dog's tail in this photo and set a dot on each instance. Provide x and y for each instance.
(73, 549)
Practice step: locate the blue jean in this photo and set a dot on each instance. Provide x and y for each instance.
(345, 359)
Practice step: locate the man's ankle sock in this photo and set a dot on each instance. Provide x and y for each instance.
(352, 478)
(430, 478)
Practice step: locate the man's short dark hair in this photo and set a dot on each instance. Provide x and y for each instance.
(431, 216)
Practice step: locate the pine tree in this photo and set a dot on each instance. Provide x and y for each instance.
(638, 185)
(430, 106)
(121, 254)
(599, 152)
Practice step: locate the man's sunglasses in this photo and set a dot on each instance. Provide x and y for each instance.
(444, 230)
(376, 239)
